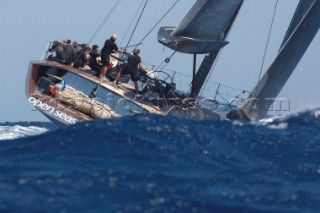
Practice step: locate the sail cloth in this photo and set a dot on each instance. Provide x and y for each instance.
(203, 29)
(301, 11)
(270, 85)
(84, 104)
(208, 61)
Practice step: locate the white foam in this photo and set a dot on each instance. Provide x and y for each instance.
(317, 113)
(278, 126)
(284, 125)
(271, 119)
(14, 132)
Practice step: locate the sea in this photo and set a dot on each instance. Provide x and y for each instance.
(149, 163)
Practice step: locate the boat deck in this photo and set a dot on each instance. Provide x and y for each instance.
(124, 90)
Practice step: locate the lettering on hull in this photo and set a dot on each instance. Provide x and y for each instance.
(53, 112)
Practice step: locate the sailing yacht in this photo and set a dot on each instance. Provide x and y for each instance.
(67, 95)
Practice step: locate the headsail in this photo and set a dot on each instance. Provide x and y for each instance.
(303, 29)
(208, 61)
(301, 11)
(203, 29)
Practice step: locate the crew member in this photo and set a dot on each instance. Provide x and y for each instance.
(81, 59)
(93, 61)
(134, 63)
(108, 48)
(58, 50)
(69, 52)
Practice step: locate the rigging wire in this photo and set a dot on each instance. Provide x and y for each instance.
(157, 23)
(166, 61)
(101, 25)
(135, 27)
(105, 20)
(267, 45)
(134, 17)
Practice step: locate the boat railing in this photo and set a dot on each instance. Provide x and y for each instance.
(214, 91)
(46, 51)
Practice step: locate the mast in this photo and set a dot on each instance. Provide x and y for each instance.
(201, 75)
(303, 29)
(194, 68)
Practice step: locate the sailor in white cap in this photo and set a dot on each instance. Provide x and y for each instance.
(108, 48)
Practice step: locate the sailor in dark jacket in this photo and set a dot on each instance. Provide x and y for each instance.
(76, 46)
(81, 59)
(57, 48)
(93, 61)
(69, 53)
(108, 48)
(134, 64)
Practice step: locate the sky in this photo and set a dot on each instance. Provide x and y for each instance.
(27, 26)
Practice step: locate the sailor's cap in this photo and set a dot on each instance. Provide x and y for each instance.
(114, 36)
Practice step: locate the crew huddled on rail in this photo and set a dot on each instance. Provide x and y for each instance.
(81, 56)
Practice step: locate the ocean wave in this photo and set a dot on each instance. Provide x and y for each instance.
(149, 163)
(17, 131)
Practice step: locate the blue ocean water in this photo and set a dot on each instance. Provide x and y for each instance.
(149, 163)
